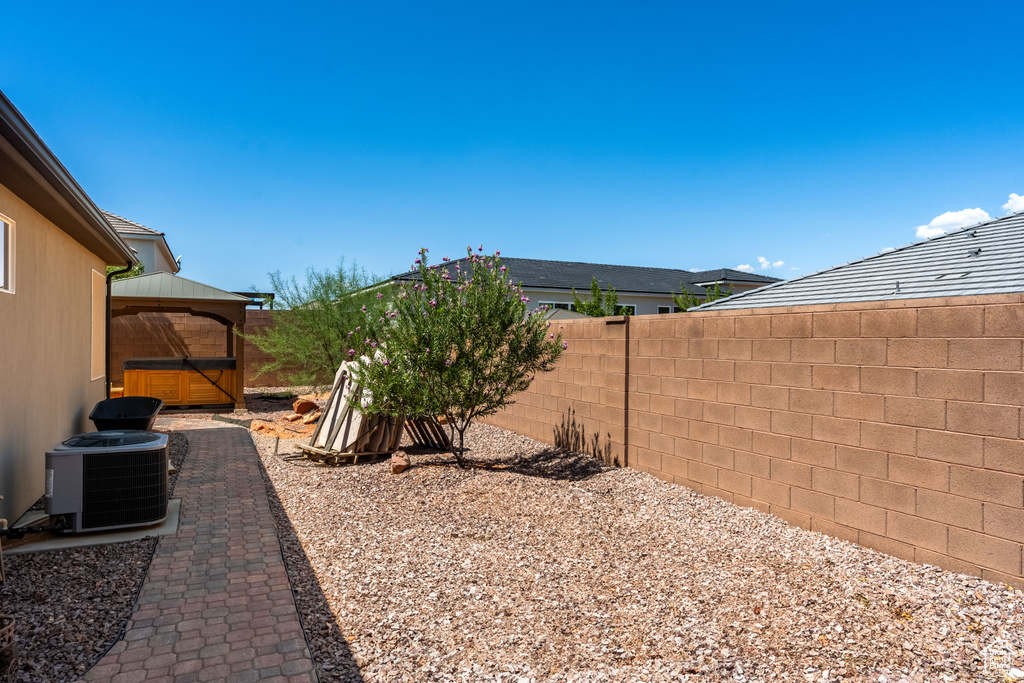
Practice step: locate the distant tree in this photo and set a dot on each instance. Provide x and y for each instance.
(688, 299)
(313, 322)
(597, 305)
(137, 269)
(457, 346)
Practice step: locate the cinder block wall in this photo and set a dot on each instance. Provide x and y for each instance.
(176, 335)
(896, 425)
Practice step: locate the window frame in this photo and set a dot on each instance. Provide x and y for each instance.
(561, 305)
(7, 255)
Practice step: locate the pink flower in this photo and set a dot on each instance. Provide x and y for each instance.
(428, 350)
(386, 362)
(351, 352)
(364, 309)
(565, 346)
(448, 362)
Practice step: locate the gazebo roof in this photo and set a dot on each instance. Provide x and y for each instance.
(163, 285)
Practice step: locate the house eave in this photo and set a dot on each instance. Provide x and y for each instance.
(30, 170)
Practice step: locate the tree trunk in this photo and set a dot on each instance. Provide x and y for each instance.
(461, 449)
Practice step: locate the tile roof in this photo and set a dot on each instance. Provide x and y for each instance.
(161, 285)
(987, 258)
(126, 227)
(542, 274)
(732, 275)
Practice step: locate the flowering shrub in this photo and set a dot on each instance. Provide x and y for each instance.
(459, 343)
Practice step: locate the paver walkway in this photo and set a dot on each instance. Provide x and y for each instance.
(216, 604)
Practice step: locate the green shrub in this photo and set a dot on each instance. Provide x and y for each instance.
(597, 305)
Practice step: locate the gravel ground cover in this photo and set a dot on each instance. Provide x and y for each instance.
(555, 568)
(72, 605)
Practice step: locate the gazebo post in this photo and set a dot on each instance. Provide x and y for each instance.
(239, 364)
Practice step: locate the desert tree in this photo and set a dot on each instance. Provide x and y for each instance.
(313, 321)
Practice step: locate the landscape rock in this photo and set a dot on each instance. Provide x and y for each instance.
(545, 565)
(303, 406)
(400, 462)
(293, 418)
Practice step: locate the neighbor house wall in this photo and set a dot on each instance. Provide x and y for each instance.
(147, 335)
(896, 425)
(47, 386)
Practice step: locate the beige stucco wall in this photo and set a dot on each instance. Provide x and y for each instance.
(46, 389)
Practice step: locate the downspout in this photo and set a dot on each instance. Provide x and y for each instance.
(106, 356)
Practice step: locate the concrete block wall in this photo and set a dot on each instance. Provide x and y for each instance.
(896, 425)
(146, 335)
(579, 405)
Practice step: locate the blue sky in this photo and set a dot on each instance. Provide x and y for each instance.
(265, 137)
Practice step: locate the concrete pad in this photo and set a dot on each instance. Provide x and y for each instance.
(37, 543)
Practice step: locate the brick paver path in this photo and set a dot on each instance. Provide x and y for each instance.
(216, 604)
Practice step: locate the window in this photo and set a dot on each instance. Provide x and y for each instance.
(6, 255)
(625, 309)
(552, 305)
(669, 309)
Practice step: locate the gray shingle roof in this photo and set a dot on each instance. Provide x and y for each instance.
(731, 275)
(163, 285)
(126, 227)
(987, 258)
(541, 274)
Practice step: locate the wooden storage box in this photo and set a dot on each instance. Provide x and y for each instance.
(182, 381)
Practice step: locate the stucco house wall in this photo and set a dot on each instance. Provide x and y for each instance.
(47, 385)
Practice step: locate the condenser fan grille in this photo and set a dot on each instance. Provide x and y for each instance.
(124, 488)
(110, 439)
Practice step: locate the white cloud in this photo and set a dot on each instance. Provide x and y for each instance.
(778, 264)
(951, 220)
(1016, 203)
(794, 268)
(745, 267)
(764, 262)
(694, 270)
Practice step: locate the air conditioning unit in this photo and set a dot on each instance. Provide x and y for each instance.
(108, 480)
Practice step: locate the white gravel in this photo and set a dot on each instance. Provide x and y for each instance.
(558, 569)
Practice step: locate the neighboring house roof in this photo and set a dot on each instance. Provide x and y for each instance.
(30, 170)
(564, 314)
(127, 227)
(987, 258)
(166, 286)
(130, 230)
(730, 275)
(542, 274)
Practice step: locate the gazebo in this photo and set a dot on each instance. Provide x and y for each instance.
(186, 381)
